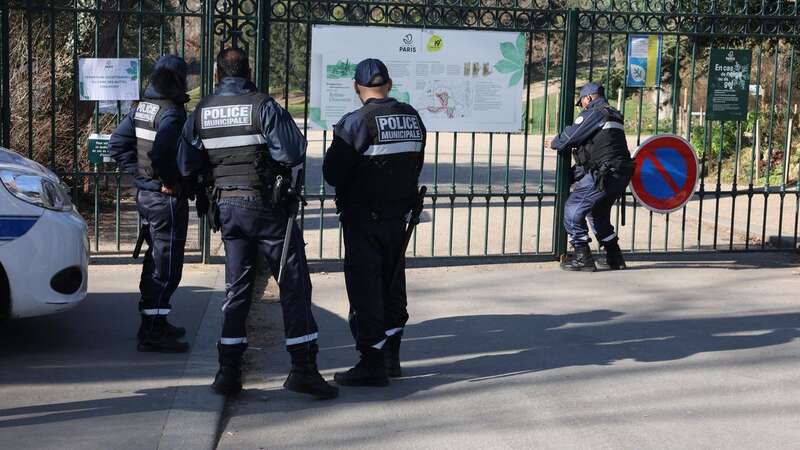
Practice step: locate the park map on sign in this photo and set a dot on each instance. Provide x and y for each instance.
(455, 81)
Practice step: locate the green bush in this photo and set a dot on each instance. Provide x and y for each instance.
(724, 145)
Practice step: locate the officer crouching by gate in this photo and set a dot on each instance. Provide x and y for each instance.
(248, 143)
(145, 144)
(374, 163)
(603, 168)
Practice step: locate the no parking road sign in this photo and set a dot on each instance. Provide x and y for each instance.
(666, 173)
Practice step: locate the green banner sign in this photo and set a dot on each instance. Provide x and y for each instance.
(728, 84)
(98, 148)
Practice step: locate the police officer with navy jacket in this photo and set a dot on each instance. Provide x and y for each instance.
(603, 169)
(145, 144)
(374, 163)
(248, 144)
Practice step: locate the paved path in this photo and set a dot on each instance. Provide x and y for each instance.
(76, 381)
(696, 352)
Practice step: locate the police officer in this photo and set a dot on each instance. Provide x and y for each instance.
(603, 168)
(145, 144)
(247, 142)
(374, 163)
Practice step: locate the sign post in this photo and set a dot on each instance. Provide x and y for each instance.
(728, 84)
(665, 174)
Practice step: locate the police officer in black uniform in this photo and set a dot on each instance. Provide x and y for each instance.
(374, 163)
(247, 143)
(145, 144)
(603, 169)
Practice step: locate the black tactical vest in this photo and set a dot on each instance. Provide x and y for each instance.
(230, 129)
(146, 119)
(385, 178)
(608, 145)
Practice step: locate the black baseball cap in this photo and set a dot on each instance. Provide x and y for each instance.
(590, 89)
(368, 70)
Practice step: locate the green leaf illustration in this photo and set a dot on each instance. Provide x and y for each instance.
(133, 70)
(509, 51)
(514, 59)
(521, 48)
(506, 66)
(315, 115)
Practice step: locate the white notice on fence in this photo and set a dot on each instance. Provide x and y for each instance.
(457, 80)
(109, 78)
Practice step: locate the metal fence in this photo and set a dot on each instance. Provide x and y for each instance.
(489, 193)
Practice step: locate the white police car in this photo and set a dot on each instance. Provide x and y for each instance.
(43, 241)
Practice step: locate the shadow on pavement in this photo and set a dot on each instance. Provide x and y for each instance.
(476, 349)
(94, 343)
(730, 261)
(145, 400)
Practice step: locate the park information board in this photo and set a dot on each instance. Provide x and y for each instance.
(728, 84)
(644, 60)
(108, 78)
(457, 80)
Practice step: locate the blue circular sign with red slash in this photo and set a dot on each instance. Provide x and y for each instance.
(666, 173)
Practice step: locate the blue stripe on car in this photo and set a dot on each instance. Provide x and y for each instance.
(12, 227)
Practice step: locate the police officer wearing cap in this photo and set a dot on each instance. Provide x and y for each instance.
(374, 163)
(603, 168)
(145, 144)
(246, 142)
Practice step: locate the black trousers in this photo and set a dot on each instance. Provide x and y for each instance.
(252, 229)
(378, 306)
(167, 218)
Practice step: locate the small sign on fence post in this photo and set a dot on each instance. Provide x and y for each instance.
(644, 61)
(728, 84)
(108, 78)
(97, 146)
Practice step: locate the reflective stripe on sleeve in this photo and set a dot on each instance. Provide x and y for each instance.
(302, 339)
(147, 135)
(233, 341)
(234, 141)
(379, 345)
(393, 148)
(613, 126)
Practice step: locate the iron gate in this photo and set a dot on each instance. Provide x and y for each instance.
(489, 194)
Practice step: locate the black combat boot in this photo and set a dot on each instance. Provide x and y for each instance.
(170, 329)
(304, 378)
(614, 259)
(153, 337)
(391, 355)
(369, 371)
(228, 380)
(582, 261)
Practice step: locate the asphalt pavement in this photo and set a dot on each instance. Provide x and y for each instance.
(76, 381)
(686, 351)
(689, 351)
